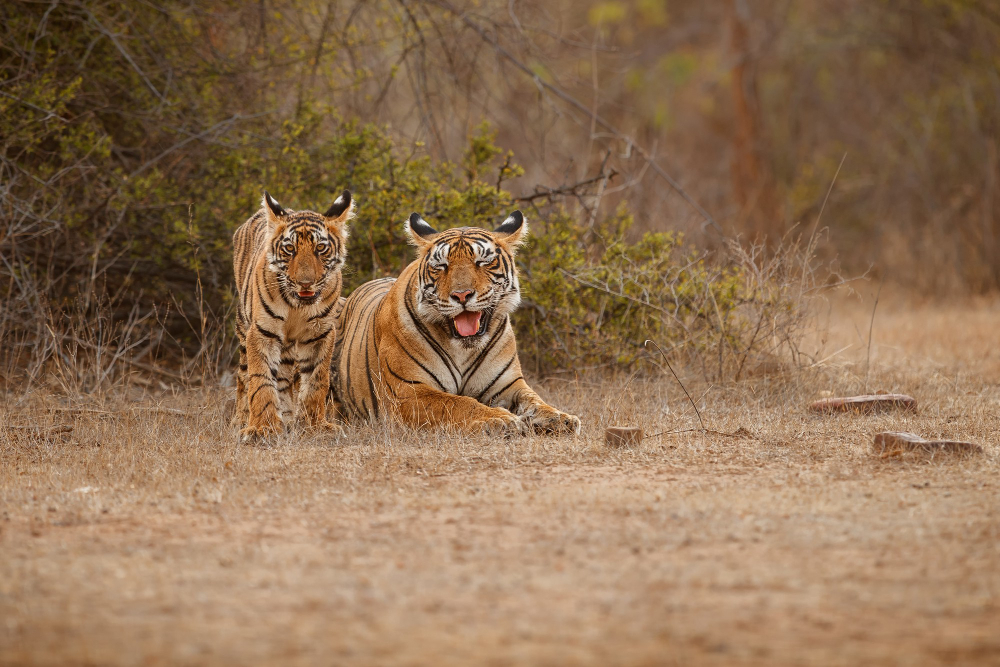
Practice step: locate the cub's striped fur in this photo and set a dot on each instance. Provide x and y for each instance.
(287, 265)
(435, 346)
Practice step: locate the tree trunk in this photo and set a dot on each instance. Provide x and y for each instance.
(752, 180)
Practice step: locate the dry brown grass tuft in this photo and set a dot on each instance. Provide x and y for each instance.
(146, 534)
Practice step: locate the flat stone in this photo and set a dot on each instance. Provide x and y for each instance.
(868, 404)
(891, 442)
(622, 436)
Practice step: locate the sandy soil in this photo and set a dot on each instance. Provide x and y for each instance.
(146, 535)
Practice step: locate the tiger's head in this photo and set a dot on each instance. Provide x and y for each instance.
(466, 276)
(307, 249)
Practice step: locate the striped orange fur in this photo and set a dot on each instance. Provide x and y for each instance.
(436, 346)
(288, 276)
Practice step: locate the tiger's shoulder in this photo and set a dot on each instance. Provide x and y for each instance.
(364, 300)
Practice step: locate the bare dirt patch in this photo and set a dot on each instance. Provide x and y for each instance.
(146, 534)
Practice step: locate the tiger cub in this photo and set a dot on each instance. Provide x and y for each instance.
(288, 274)
(435, 346)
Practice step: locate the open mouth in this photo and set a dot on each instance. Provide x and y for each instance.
(469, 323)
(306, 294)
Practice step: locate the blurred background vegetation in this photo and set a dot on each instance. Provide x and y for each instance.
(673, 157)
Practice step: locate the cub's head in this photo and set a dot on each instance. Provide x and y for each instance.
(466, 276)
(306, 249)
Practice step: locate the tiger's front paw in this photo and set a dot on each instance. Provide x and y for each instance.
(262, 427)
(504, 424)
(329, 427)
(554, 422)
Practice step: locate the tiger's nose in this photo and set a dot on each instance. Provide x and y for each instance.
(463, 295)
(305, 284)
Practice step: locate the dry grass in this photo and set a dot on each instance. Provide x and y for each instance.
(146, 535)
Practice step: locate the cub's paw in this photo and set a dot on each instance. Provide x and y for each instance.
(238, 416)
(256, 436)
(555, 423)
(261, 431)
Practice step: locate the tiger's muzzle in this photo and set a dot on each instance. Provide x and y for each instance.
(307, 292)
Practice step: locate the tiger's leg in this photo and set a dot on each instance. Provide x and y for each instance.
(287, 383)
(334, 407)
(421, 406)
(315, 369)
(242, 411)
(542, 417)
(263, 357)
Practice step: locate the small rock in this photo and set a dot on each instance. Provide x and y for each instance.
(869, 404)
(891, 442)
(622, 436)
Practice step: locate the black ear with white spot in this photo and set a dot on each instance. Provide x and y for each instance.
(511, 224)
(272, 205)
(417, 227)
(513, 230)
(343, 204)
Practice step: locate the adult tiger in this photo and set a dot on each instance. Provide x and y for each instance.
(288, 275)
(435, 346)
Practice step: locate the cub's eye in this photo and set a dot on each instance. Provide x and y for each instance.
(288, 247)
(322, 247)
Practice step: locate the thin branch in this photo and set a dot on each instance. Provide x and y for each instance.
(51, 114)
(667, 362)
(112, 36)
(564, 190)
(828, 191)
(599, 196)
(619, 294)
(871, 325)
(735, 434)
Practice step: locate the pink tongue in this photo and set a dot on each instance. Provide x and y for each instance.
(467, 323)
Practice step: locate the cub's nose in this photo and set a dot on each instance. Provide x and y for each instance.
(463, 295)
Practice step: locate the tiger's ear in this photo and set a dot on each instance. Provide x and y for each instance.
(513, 230)
(340, 213)
(419, 231)
(272, 210)
(342, 209)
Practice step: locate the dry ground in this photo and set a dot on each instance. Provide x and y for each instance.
(146, 535)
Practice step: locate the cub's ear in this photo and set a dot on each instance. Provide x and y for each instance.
(513, 230)
(419, 231)
(342, 209)
(272, 209)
